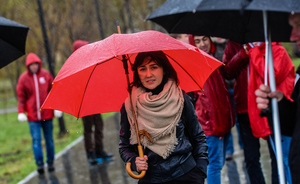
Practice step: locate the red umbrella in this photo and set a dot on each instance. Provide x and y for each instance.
(92, 79)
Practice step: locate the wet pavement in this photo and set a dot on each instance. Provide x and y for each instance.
(71, 166)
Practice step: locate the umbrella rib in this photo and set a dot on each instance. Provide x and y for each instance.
(178, 23)
(184, 70)
(88, 83)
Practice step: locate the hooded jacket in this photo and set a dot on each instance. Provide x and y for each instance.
(213, 105)
(250, 76)
(79, 43)
(284, 78)
(32, 90)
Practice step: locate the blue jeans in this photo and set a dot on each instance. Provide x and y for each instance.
(229, 147)
(239, 134)
(251, 148)
(35, 131)
(285, 145)
(216, 157)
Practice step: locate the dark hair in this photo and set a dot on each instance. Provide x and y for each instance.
(174, 35)
(160, 59)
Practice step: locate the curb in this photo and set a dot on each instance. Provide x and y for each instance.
(59, 154)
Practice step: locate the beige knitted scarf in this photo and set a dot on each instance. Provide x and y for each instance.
(158, 115)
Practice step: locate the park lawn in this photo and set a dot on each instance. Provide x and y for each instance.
(296, 62)
(16, 156)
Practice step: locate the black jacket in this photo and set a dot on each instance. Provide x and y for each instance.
(289, 113)
(190, 151)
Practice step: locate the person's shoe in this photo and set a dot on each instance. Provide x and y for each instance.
(91, 157)
(51, 168)
(228, 156)
(103, 154)
(40, 170)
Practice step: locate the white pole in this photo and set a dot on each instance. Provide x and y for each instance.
(266, 46)
(275, 114)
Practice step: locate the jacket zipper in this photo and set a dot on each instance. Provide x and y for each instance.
(36, 85)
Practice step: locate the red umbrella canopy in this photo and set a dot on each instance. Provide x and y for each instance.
(92, 80)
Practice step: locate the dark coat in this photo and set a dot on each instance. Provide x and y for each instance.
(289, 112)
(190, 151)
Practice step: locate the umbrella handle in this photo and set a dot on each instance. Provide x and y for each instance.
(128, 166)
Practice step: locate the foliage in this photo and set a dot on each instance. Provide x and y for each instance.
(69, 20)
(66, 21)
(16, 156)
(296, 62)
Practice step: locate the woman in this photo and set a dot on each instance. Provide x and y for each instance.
(178, 152)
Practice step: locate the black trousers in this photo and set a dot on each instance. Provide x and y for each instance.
(89, 135)
(195, 176)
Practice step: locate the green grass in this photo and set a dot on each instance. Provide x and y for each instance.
(296, 62)
(7, 98)
(16, 156)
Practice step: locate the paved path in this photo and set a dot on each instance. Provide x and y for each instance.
(4, 111)
(71, 165)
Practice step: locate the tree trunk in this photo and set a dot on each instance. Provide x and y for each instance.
(99, 19)
(62, 127)
(129, 16)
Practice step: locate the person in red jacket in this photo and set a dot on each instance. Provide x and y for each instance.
(246, 65)
(94, 149)
(32, 89)
(284, 77)
(237, 67)
(289, 111)
(215, 113)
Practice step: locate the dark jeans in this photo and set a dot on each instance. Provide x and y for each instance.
(36, 128)
(251, 147)
(195, 176)
(89, 135)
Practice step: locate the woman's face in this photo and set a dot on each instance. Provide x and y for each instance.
(150, 74)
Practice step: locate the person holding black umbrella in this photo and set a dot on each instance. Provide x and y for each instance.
(215, 112)
(246, 65)
(288, 110)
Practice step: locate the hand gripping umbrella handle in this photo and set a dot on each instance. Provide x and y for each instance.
(128, 166)
(140, 148)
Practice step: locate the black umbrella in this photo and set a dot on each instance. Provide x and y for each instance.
(238, 20)
(12, 40)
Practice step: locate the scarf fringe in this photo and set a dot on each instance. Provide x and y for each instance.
(170, 149)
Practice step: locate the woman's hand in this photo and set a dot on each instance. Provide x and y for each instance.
(141, 163)
(262, 95)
